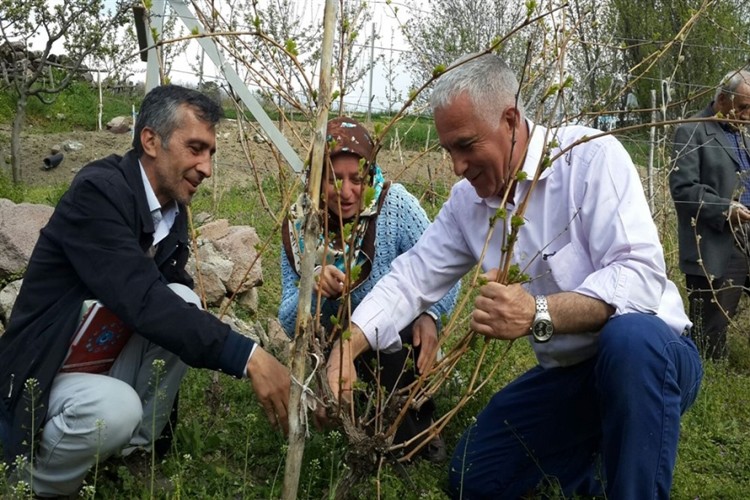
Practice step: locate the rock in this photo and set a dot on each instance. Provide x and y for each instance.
(240, 326)
(225, 253)
(238, 246)
(248, 300)
(275, 340)
(55, 149)
(7, 299)
(215, 271)
(119, 125)
(202, 218)
(214, 230)
(71, 145)
(19, 230)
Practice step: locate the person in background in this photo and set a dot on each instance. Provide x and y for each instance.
(710, 186)
(600, 413)
(386, 226)
(119, 235)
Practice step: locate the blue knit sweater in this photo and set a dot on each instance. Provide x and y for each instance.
(399, 225)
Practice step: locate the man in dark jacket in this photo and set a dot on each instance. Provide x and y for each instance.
(119, 235)
(710, 185)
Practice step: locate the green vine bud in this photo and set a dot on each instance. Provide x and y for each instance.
(530, 8)
(291, 47)
(369, 196)
(355, 273)
(552, 90)
(515, 275)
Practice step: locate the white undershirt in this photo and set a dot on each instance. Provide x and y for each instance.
(163, 217)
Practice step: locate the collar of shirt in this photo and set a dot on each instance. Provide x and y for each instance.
(538, 137)
(163, 217)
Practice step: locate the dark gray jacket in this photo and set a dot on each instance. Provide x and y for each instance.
(704, 180)
(95, 246)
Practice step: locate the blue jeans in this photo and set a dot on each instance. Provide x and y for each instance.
(610, 424)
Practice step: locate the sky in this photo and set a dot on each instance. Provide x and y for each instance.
(389, 44)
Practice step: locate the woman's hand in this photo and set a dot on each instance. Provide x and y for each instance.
(330, 280)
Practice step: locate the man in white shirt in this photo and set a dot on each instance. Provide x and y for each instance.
(600, 413)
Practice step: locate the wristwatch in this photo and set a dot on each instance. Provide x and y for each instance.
(541, 328)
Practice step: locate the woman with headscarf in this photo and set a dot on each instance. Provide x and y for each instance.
(370, 222)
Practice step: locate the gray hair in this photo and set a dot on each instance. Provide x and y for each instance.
(731, 82)
(160, 111)
(489, 83)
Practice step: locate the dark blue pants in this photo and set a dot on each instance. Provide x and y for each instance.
(610, 424)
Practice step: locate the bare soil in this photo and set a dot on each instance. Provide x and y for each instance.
(232, 167)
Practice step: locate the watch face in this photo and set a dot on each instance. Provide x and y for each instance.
(542, 330)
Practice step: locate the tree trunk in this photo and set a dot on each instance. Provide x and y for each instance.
(15, 138)
(297, 410)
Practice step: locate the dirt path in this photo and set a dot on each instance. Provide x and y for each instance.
(232, 166)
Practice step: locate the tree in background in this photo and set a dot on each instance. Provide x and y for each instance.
(594, 59)
(117, 54)
(614, 48)
(452, 28)
(79, 25)
(349, 47)
(172, 29)
(694, 58)
(284, 29)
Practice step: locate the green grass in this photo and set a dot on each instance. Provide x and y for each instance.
(76, 107)
(225, 448)
(714, 447)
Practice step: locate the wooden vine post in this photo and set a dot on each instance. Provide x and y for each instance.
(303, 327)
